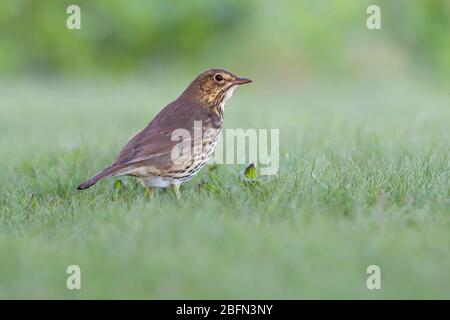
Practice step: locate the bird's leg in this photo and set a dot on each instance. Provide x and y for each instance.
(150, 192)
(176, 188)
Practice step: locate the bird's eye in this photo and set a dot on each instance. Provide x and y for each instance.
(218, 77)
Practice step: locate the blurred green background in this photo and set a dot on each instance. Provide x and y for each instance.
(288, 37)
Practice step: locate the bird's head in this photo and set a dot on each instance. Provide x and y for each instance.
(214, 87)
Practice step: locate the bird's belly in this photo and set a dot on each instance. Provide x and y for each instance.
(182, 172)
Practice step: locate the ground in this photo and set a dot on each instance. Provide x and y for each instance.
(363, 180)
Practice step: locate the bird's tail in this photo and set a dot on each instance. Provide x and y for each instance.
(102, 174)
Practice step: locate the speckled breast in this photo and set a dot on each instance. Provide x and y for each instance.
(200, 156)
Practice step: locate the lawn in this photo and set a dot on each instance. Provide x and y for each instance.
(363, 180)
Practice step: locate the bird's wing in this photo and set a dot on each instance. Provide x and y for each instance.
(156, 140)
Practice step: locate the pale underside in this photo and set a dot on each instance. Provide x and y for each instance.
(178, 173)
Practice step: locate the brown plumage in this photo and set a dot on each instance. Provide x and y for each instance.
(149, 155)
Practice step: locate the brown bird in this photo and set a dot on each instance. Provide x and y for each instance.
(157, 156)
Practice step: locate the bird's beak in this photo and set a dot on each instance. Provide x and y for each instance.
(239, 81)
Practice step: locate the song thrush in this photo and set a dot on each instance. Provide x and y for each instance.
(149, 155)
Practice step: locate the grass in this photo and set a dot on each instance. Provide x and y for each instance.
(364, 179)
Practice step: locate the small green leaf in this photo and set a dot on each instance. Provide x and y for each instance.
(33, 201)
(205, 185)
(250, 172)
